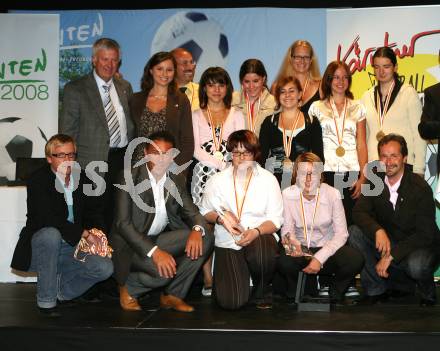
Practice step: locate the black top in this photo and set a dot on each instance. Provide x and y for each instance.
(305, 108)
(271, 140)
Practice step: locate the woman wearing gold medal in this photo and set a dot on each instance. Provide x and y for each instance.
(254, 98)
(244, 203)
(300, 62)
(314, 232)
(289, 132)
(393, 107)
(343, 131)
(212, 124)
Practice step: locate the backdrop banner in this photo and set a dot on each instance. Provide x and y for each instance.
(28, 86)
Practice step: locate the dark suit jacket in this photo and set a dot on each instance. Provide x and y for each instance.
(411, 225)
(429, 126)
(131, 225)
(178, 119)
(83, 117)
(46, 207)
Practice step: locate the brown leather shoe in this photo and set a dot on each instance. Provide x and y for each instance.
(128, 303)
(170, 301)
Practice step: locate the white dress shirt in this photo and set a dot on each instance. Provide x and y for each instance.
(117, 105)
(393, 190)
(160, 220)
(263, 202)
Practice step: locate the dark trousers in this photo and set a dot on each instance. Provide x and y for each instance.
(144, 275)
(115, 166)
(234, 268)
(343, 265)
(419, 266)
(347, 201)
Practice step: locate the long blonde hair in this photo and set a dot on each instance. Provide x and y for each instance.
(286, 68)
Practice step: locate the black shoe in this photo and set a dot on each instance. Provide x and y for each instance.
(427, 302)
(372, 300)
(50, 312)
(398, 294)
(67, 303)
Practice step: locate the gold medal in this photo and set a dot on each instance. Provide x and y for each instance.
(380, 134)
(287, 163)
(340, 151)
(218, 155)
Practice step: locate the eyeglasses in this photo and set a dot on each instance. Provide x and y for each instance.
(238, 154)
(298, 58)
(64, 155)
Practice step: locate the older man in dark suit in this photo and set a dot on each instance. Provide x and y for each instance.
(396, 230)
(95, 112)
(159, 237)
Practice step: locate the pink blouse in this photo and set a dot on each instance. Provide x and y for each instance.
(202, 134)
(330, 227)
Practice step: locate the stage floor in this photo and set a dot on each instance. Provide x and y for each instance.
(105, 323)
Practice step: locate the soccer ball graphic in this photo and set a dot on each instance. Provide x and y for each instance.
(18, 138)
(201, 36)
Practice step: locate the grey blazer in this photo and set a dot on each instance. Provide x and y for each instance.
(131, 224)
(83, 117)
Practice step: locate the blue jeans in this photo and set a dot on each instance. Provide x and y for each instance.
(419, 266)
(60, 275)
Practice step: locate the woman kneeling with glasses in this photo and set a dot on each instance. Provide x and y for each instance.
(244, 202)
(314, 233)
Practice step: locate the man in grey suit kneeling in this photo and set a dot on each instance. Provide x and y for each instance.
(159, 237)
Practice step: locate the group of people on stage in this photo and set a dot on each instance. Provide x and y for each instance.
(255, 184)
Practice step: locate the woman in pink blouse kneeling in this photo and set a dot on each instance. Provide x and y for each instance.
(314, 232)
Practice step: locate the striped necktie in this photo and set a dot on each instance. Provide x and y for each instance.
(112, 118)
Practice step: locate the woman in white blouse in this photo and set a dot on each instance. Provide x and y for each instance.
(244, 202)
(314, 232)
(343, 132)
(393, 107)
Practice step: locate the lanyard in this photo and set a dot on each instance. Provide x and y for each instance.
(251, 115)
(238, 204)
(215, 140)
(382, 112)
(308, 237)
(334, 114)
(287, 142)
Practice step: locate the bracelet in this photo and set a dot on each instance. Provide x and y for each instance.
(217, 220)
(258, 230)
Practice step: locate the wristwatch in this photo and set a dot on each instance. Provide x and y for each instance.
(199, 229)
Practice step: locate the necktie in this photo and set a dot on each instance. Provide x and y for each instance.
(182, 89)
(112, 118)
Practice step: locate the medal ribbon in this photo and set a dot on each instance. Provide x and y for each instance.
(382, 112)
(286, 141)
(308, 237)
(334, 114)
(246, 186)
(251, 115)
(306, 84)
(217, 141)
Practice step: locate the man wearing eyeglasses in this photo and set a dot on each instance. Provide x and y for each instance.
(186, 68)
(59, 216)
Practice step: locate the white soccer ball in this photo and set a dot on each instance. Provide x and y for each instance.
(200, 35)
(18, 138)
